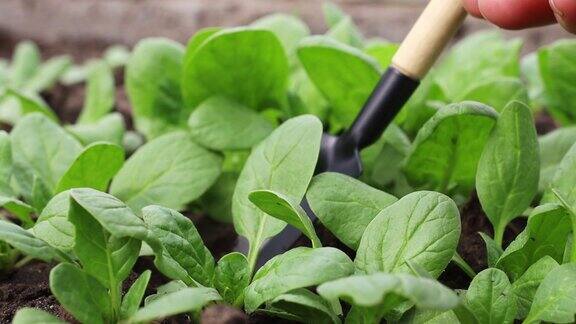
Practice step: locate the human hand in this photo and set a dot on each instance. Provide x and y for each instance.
(519, 14)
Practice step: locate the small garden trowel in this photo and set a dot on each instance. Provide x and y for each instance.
(430, 34)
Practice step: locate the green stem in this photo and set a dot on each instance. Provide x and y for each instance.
(252, 257)
(573, 253)
(499, 234)
(24, 261)
(462, 264)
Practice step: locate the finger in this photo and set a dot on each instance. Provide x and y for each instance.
(472, 7)
(565, 12)
(517, 14)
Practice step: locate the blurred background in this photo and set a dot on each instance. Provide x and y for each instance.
(84, 28)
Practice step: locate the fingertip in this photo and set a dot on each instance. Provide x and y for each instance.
(516, 14)
(565, 12)
(472, 7)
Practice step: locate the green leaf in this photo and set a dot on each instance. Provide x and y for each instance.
(40, 148)
(334, 198)
(382, 51)
(429, 317)
(377, 294)
(346, 32)
(217, 201)
(422, 227)
(465, 66)
(5, 165)
(343, 74)
(555, 299)
(25, 63)
(80, 294)
(154, 89)
(525, 287)
(48, 74)
(19, 209)
(302, 305)
(496, 93)
(280, 207)
(298, 268)
(545, 235)
(231, 277)
(109, 128)
(289, 29)
(181, 301)
(116, 56)
(108, 258)
(93, 168)
(133, 298)
(198, 39)
(30, 103)
(332, 13)
(557, 68)
(445, 153)
(221, 124)
(25, 242)
(253, 61)
(100, 93)
(183, 255)
(53, 226)
(33, 315)
(170, 171)
(490, 297)
(284, 163)
(508, 170)
(493, 250)
(111, 213)
(530, 68)
(564, 179)
(553, 148)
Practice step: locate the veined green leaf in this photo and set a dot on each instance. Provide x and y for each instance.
(303, 306)
(183, 255)
(423, 227)
(505, 182)
(253, 61)
(284, 163)
(496, 93)
(490, 298)
(221, 124)
(525, 287)
(53, 225)
(25, 242)
(231, 277)
(93, 168)
(154, 89)
(445, 153)
(298, 268)
(553, 148)
(334, 198)
(170, 171)
(563, 181)
(133, 298)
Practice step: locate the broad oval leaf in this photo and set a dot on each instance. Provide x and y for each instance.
(345, 205)
(154, 89)
(93, 168)
(182, 301)
(183, 255)
(42, 149)
(525, 287)
(563, 181)
(170, 171)
(252, 60)
(289, 29)
(508, 170)
(545, 235)
(490, 297)
(280, 207)
(445, 153)
(53, 225)
(231, 277)
(302, 305)
(28, 315)
(298, 268)
(382, 290)
(553, 148)
(557, 68)
(82, 295)
(221, 124)
(284, 163)
(496, 93)
(422, 227)
(343, 74)
(25, 242)
(555, 299)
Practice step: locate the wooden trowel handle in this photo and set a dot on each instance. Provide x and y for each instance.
(430, 34)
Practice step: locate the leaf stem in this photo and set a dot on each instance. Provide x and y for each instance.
(24, 261)
(463, 265)
(499, 234)
(572, 214)
(252, 257)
